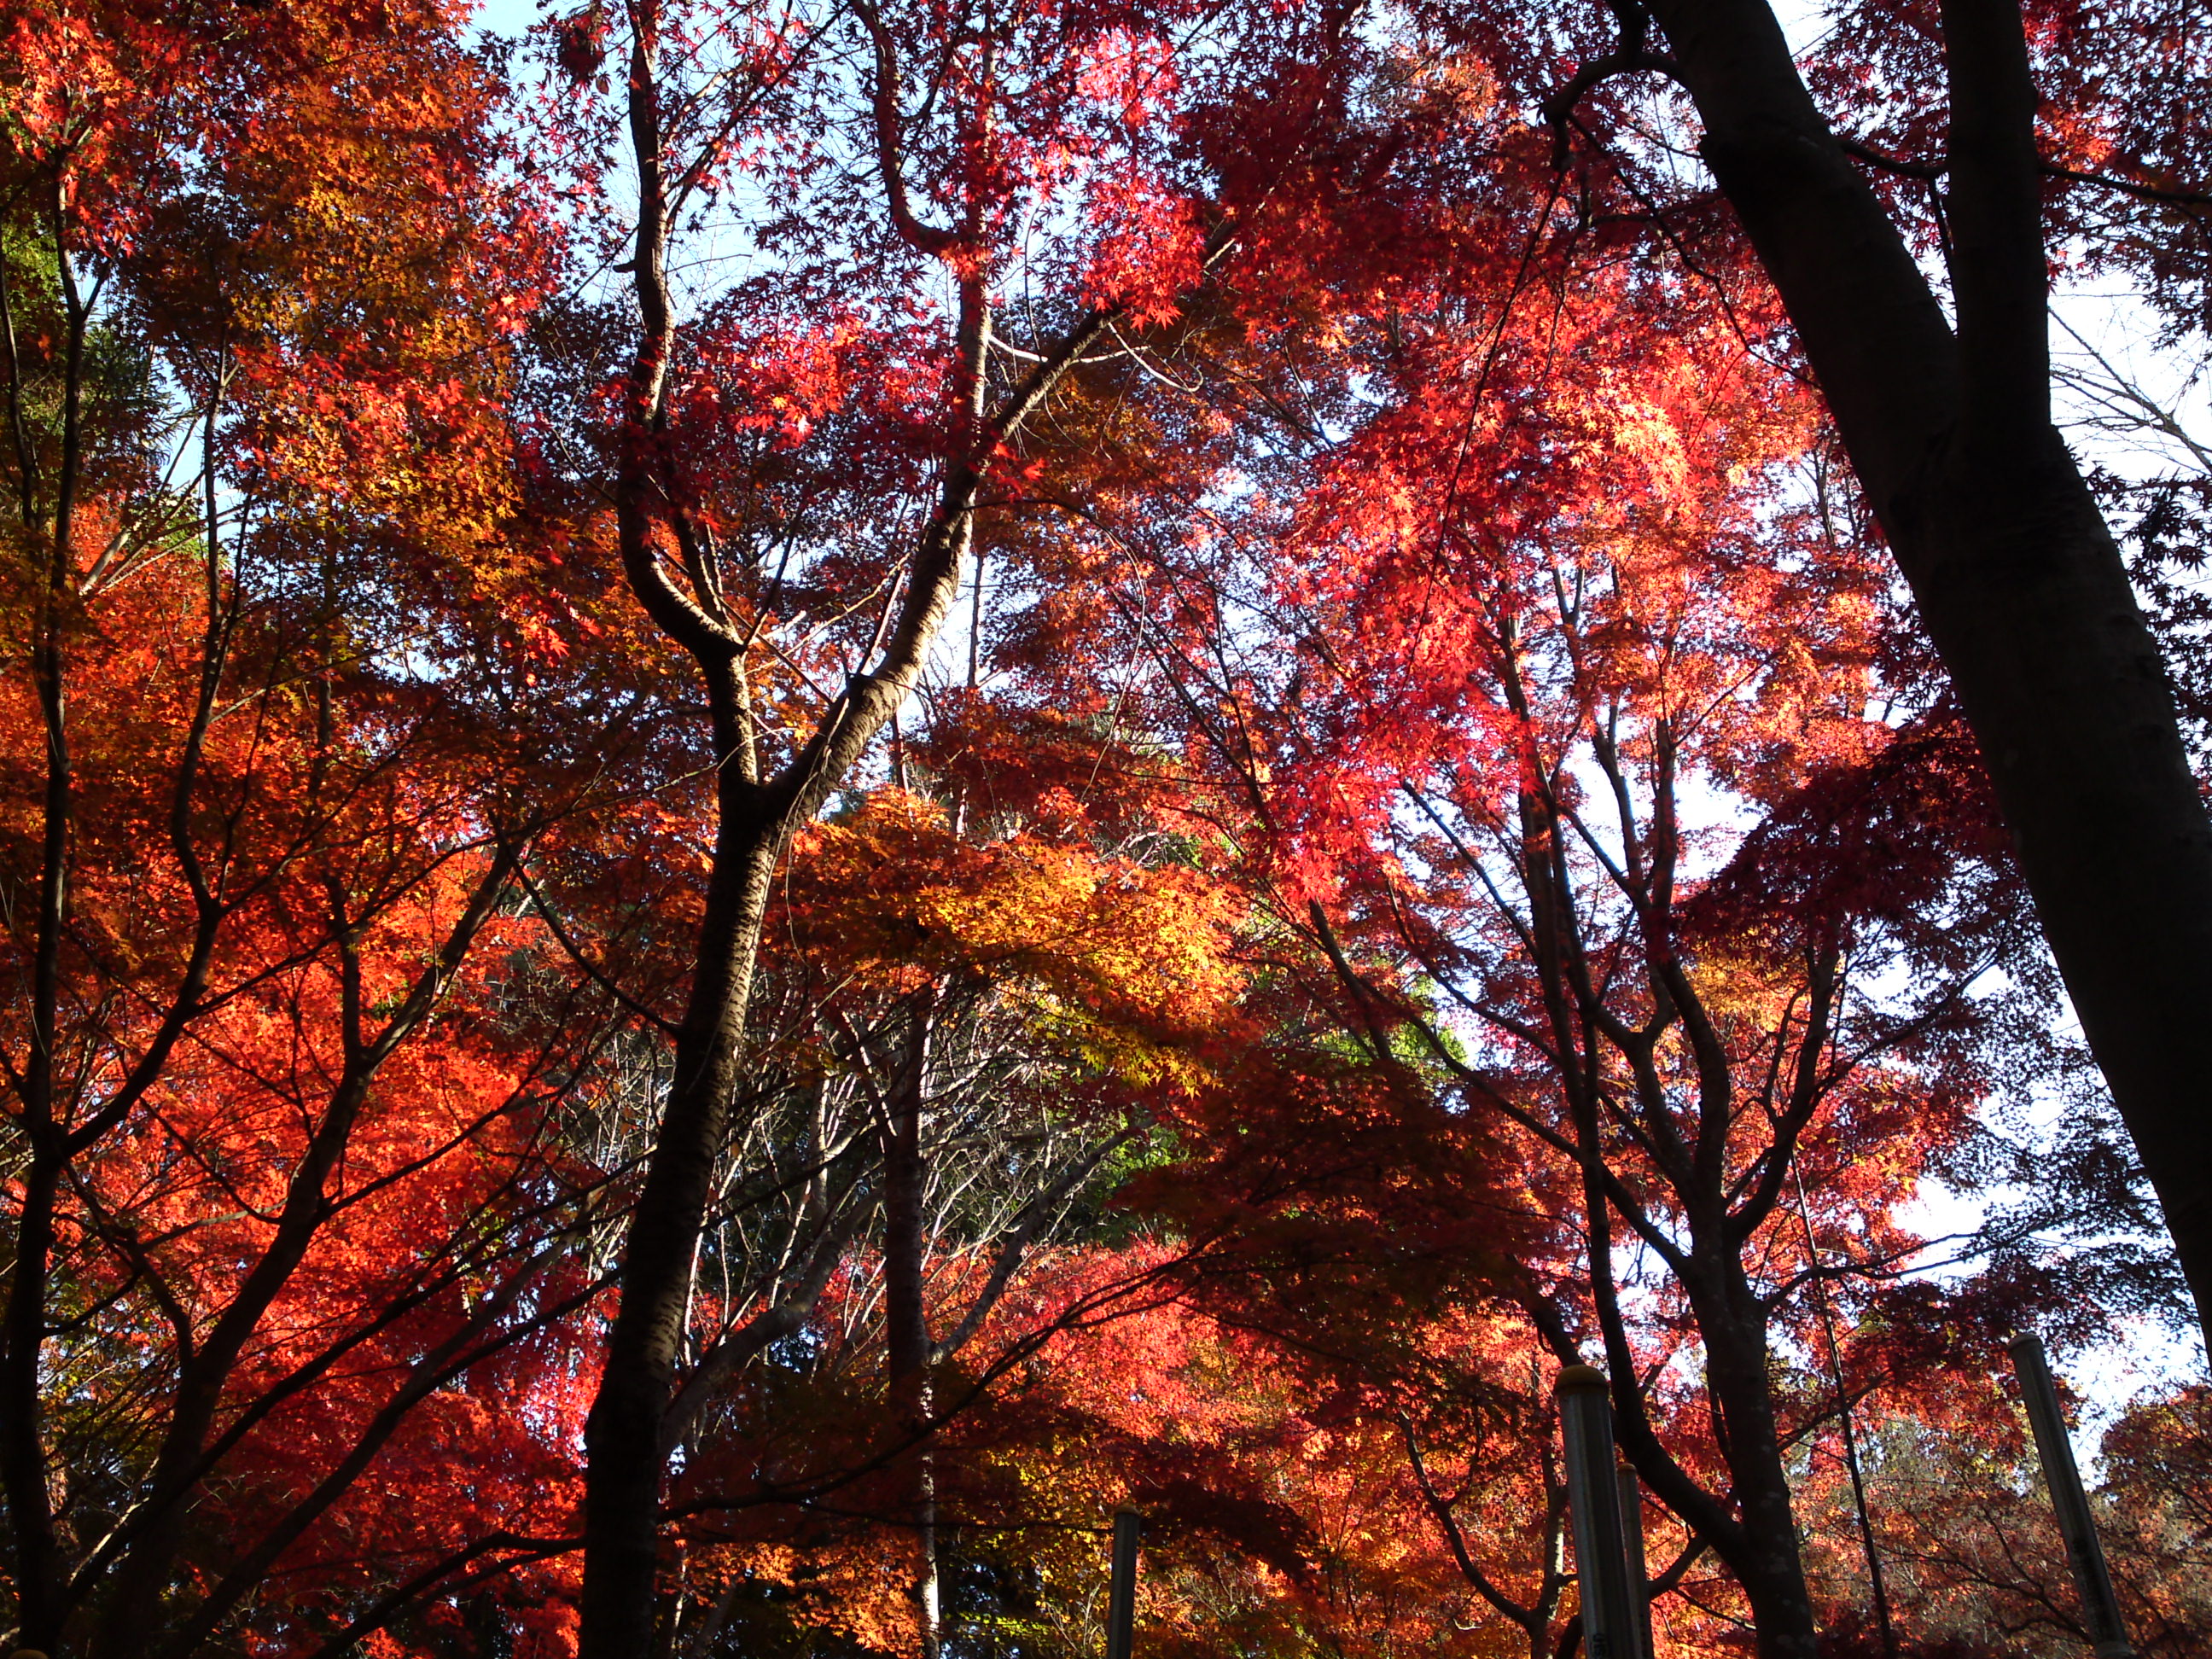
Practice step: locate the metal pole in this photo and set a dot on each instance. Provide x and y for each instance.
(2100, 1608)
(1639, 1576)
(1122, 1595)
(1594, 1499)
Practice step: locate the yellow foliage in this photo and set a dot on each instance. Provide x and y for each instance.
(1129, 964)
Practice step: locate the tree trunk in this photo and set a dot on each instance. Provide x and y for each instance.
(907, 1342)
(624, 1460)
(39, 1087)
(1753, 1527)
(909, 1348)
(1764, 1553)
(22, 1441)
(2018, 579)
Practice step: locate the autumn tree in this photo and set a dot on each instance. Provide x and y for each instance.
(282, 1055)
(797, 467)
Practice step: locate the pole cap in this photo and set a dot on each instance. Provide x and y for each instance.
(1579, 1379)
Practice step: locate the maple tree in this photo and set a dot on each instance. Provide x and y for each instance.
(803, 511)
(282, 1055)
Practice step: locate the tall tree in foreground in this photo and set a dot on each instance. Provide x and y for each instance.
(803, 462)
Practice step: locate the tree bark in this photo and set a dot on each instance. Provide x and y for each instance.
(909, 1350)
(2018, 579)
(624, 1458)
(1763, 1551)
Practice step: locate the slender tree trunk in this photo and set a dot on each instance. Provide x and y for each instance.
(45, 1116)
(624, 1464)
(909, 1349)
(2017, 578)
(1764, 1556)
(907, 1341)
(22, 1443)
(39, 1567)
(1753, 1528)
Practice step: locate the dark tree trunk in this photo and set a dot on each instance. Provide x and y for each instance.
(22, 1442)
(907, 1340)
(624, 1457)
(1762, 1552)
(38, 1086)
(909, 1350)
(2017, 578)
(1753, 1527)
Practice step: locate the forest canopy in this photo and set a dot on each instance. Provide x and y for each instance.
(794, 790)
